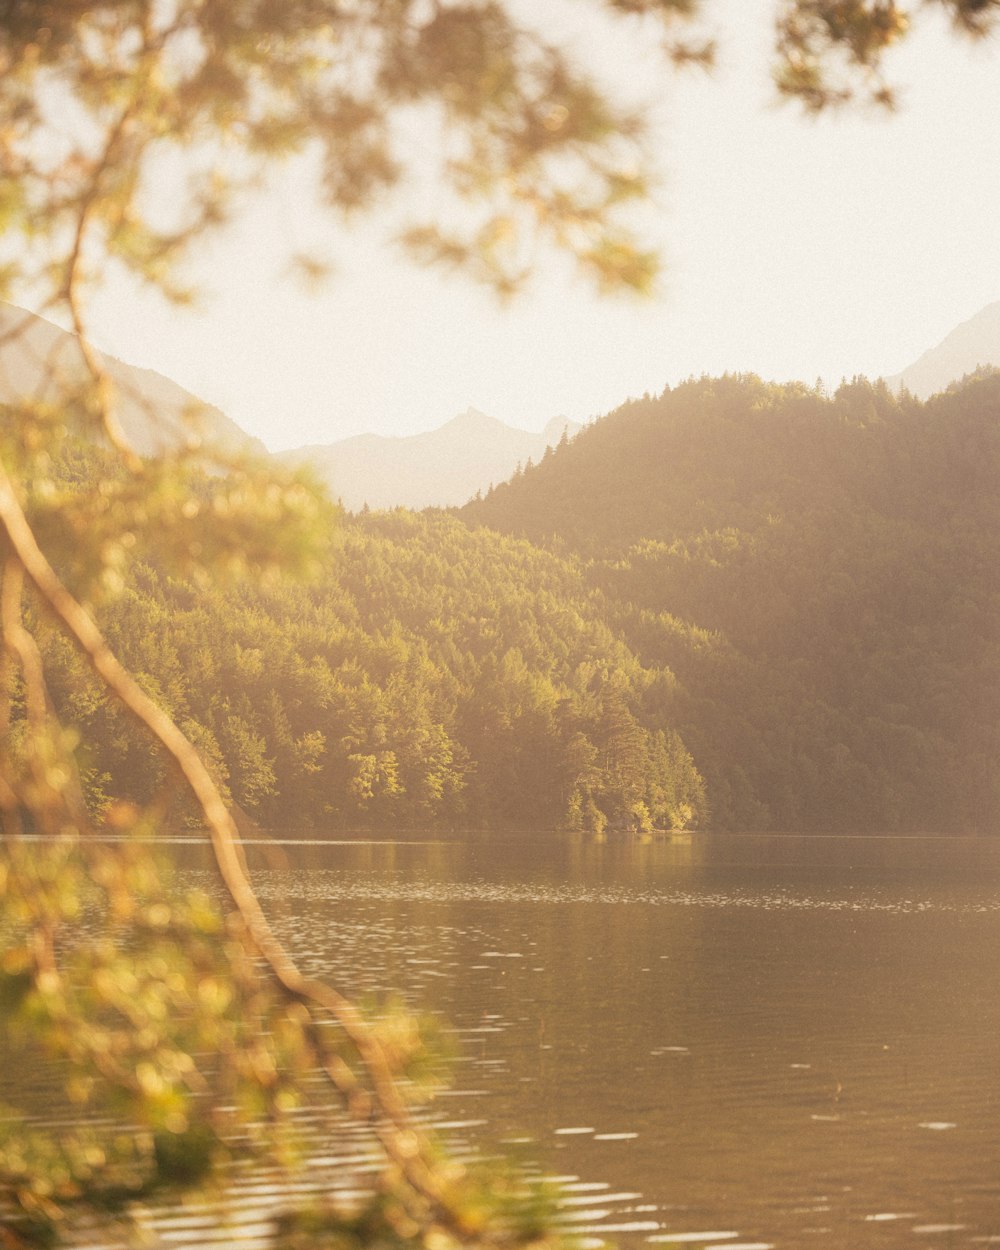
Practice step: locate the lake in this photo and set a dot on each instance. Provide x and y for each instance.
(733, 1041)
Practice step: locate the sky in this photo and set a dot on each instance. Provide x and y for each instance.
(793, 248)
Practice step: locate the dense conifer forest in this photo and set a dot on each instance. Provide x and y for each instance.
(431, 677)
(735, 605)
(820, 573)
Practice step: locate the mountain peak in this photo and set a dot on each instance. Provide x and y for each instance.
(37, 357)
(972, 344)
(473, 418)
(439, 468)
(554, 428)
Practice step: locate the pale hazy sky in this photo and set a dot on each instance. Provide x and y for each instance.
(794, 248)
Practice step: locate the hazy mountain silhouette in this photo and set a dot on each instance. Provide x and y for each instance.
(969, 346)
(39, 361)
(439, 468)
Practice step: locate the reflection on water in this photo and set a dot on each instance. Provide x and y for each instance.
(734, 1042)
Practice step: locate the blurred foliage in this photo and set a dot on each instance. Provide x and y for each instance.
(160, 1023)
(179, 1033)
(831, 52)
(98, 517)
(147, 1009)
(526, 143)
(96, 92)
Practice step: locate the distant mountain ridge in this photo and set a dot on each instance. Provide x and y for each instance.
(439, 468)
(38, 359)
(442, 467)
(970, 346)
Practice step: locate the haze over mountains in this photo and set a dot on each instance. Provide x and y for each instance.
(39, 360)
(972, 345)
(440, 468)
(444, 467)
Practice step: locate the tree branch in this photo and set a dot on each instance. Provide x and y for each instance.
(405, 1147)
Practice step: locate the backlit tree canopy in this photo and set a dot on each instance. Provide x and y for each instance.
(830, 51)
(527, 142)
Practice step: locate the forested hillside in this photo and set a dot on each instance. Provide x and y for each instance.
(431, 677)
(821, 573)
(736, 604)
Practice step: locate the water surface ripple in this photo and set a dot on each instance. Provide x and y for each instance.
(709, 1042)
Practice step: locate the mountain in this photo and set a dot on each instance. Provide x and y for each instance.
(819, 573)
(38, 361)
(972, 345)
(443, 467)
(440, 468)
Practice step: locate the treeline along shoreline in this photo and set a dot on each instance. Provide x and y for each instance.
(735, 606)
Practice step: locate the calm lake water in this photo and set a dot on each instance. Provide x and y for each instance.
(715, 1041)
